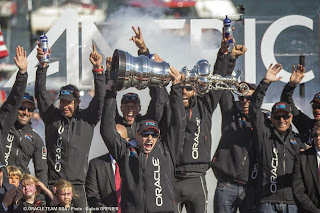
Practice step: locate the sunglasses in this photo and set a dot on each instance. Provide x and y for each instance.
(130, 97)
(23, 108)
(315, 106)
(146, 134)
(315, 135)
(278, 117)
(241, 98)
(188, 88)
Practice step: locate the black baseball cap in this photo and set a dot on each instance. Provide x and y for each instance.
(28, 98)
(130, 97)
(281, 106)
(316, 98)
(148, 124)
(69, 92)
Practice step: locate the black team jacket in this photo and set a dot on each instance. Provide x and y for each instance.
(68, 140)
(276, 154)
(147, 179)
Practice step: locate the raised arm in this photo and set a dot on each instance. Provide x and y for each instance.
(227, 102)
(45, 102)
(302, 121)
(176, 132)
(114, 142)
(9, 109)
(255, 113)
(224, 66)
(95, 107)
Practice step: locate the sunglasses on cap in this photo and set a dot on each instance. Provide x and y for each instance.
(23, 108)
(278, 117)
(27, 96)
(241, 98)
(315, 106)
(188, 88)
(146, 134)
(131, 96)
(68, 90)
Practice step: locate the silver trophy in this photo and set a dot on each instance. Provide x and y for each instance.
(203, 80)
(141, 72)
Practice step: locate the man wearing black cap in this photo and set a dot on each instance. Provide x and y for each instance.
(69, 130)
(9, 109)
(147, 170)
(277, 147)
(302, 122)
(23, 143)
(234, 162)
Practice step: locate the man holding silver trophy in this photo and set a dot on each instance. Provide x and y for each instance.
(202, 90)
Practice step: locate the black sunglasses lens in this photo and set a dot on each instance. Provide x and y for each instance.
(23, 108)
(241, 98)
(278, 117)
(146, 134)
(315, 106)
(188, 88)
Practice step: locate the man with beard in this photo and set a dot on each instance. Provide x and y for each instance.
(23, 143)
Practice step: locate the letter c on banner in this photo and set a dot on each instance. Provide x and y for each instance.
(270, 36)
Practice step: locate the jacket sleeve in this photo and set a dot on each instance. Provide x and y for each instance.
(92, 190)
(114, 142)
(9, 109)
(256, 115)
(45, 102)
(40, 161)
(95, 106)
(300, 120)
(223, 66)
(176, 133)
(157, 103)
(227, 103)
(299, 190)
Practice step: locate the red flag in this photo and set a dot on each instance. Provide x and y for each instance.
(3, 47)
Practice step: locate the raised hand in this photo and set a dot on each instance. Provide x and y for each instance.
(40, 54)
(95, 58)
(157, 58)
(237, 51)
(175, 75)
(271, 74)
(21, 59)
(138, 40)
(108, 63)
(297, 75)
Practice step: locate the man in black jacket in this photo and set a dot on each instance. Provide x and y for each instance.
(277, 148)
(69, 130)
(130, 102)
(23, 143)
(302, 122)
(306, 185)
(9, 109)
(147, 171)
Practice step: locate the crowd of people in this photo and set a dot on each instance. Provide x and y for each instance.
(157, 162)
